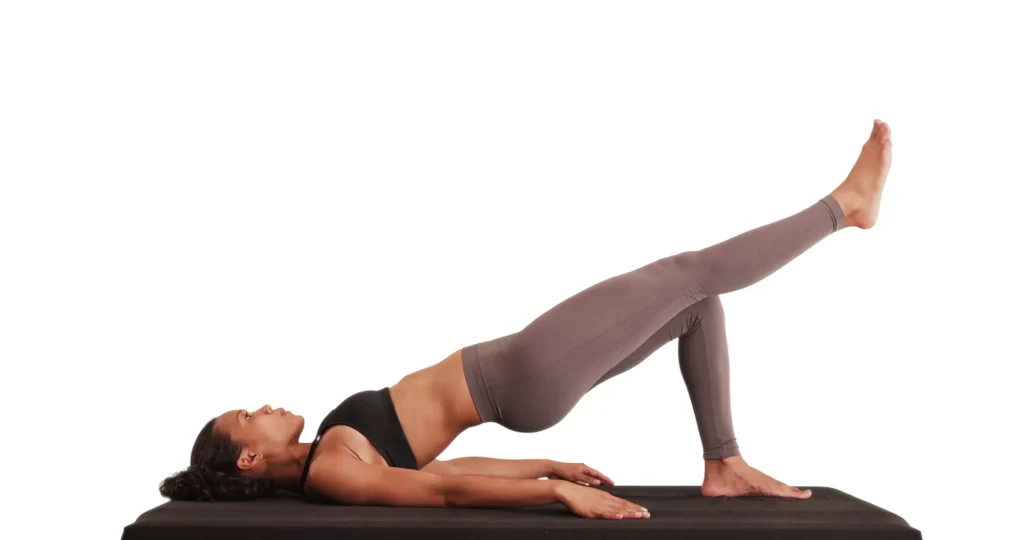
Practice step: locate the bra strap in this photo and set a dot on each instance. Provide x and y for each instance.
(305, 468)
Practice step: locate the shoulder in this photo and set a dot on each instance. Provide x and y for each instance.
(329, 452)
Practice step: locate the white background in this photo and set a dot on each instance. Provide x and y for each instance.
(216, 205)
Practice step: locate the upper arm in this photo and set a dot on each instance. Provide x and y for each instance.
(350, 481)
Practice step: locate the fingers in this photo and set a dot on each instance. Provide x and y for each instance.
(595, 474)
(607, 506)
(623, 509)
(622, 513)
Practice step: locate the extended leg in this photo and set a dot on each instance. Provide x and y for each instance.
(754, 255)
(529, 380)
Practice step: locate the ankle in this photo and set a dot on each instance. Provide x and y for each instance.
(731, 462)
(849, 202)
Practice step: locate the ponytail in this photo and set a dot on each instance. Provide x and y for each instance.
(214, 474)
(201, 483)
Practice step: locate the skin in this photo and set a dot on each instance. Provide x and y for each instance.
(434, 406)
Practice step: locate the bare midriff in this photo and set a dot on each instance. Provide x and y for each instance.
(433, 405)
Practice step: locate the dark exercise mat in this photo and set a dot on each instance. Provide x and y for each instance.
(677, 512)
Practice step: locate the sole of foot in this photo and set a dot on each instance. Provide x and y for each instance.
(860, 195)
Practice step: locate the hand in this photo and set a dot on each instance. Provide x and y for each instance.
(589, 502)
(579, 473)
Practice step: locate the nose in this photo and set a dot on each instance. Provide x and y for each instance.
(267, 409)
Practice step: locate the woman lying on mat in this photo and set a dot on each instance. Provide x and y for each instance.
(378, 447)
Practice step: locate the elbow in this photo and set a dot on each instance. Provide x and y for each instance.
(448, 502)
(446, 497)
(449, 493)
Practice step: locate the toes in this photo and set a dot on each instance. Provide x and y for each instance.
(801, 493)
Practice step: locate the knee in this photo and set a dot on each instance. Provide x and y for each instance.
(695, 270)
(709, 308)
(711, 305)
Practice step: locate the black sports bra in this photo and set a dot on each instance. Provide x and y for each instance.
(371, 413)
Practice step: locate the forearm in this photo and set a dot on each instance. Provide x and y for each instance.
(479, 491)
(509, 468)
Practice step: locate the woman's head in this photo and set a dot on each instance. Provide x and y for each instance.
(234, 455)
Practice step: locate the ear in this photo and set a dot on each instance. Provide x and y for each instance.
(249, 459)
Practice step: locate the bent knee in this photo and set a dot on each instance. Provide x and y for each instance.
(707, 309)
(696, 271)
(709, 305)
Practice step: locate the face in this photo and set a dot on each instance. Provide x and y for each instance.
(261, 431)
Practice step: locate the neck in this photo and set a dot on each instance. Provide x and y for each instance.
(286, 468)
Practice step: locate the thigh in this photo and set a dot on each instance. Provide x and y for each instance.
(705, 312)
(536, 376)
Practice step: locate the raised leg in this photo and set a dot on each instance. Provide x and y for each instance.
(529, 380)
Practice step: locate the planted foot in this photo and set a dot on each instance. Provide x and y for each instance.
(732, 477)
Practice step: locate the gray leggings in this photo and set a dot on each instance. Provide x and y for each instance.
(529, 380)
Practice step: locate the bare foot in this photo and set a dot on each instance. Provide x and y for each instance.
(860, 194)
(734, 478)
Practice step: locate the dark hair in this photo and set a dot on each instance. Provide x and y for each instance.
(213, 473)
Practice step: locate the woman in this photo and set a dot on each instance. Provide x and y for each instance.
(379, 447)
